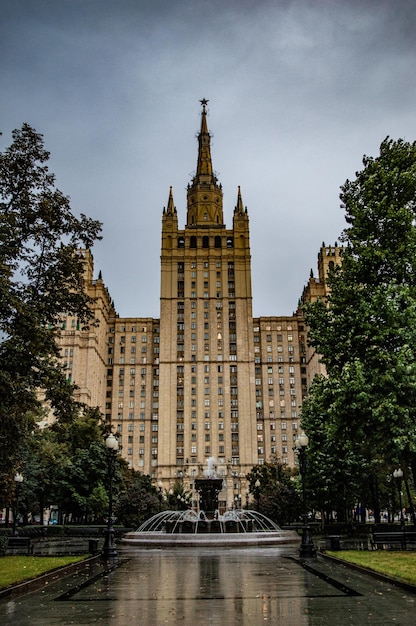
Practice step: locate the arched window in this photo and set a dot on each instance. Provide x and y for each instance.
(205, 241)
(192, 243)
(181, 242)
(217, 242)
(230, 242)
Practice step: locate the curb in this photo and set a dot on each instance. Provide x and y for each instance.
(364, 570)
(44, 579)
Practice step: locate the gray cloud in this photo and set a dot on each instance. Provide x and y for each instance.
(298, 91)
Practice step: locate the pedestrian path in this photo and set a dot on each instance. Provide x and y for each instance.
(244, 587)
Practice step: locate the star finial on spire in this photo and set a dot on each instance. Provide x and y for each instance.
(204, 103)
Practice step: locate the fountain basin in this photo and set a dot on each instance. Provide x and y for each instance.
(236, 528)
(160, 540)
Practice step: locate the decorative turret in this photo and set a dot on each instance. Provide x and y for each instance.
(240, 223)
(171, 209)
(204, 194)
(169, 222)
(239, 208)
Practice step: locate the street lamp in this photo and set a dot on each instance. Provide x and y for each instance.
(257, 493)
(109, 548)
(307, 548)
(18, 479)
(160, 487)
(398, 475)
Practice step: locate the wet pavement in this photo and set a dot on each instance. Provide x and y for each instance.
(197, 586)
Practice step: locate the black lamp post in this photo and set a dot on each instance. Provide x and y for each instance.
(247, 499)
(398, 475)
(160, 493)
(237, 501)
(307, 548)
(18, 479)
(109, 549)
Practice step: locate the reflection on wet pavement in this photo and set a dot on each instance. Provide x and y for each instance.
(244, 587)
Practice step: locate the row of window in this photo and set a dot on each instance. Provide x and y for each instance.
(133, 329)
(279, 338)
(193, 242)
(279, 327)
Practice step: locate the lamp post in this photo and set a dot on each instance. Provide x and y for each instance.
(307, 548)
(109, 548)
(160, 488)
(18, 479)
(398, 475)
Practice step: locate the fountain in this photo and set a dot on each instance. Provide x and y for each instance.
(237, 527)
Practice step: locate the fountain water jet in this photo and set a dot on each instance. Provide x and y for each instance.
(238, 527)
(235, 528)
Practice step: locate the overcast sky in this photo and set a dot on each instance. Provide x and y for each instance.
(298, 91)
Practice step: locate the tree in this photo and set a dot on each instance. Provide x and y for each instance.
(41, 277)
(276, 496)
(45, 459)
(177, 498)
(81, 478)
(338, 475)
(365, 330)
(138, 500)
(66, 465)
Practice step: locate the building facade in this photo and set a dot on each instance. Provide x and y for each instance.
(206, 379)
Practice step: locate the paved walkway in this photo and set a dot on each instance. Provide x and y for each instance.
(202, 587)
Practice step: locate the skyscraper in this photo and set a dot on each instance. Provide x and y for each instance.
(206, 380)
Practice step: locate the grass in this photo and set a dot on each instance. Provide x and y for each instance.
(16, 569)
(398, 565)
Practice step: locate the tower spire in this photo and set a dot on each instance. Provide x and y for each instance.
(204, 172)
(171, 207)
(204, 193)
(239, 207)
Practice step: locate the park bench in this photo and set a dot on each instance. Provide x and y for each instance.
(391, 539)
(19, 545)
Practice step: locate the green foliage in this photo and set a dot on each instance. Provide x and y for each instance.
(97, 503)
(138, 500)
(67, 465)
(361, 420)
(277, 496)
(41, 277)
(86, 467)
(177, 498)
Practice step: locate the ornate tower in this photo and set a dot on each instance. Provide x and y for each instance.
(207, 404)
